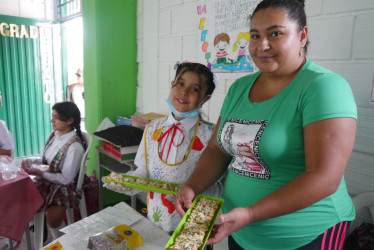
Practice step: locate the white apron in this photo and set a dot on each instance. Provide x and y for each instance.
(160, 210)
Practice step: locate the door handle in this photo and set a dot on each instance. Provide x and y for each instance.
(1, 99)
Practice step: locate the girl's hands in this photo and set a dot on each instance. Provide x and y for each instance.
(184, 200)
(27, 166)
(231, 222)
(26, 163)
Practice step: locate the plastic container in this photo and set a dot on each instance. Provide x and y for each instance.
(186, 216)
(107, 179)
(123, 121)
(8, 174)
(10, 171)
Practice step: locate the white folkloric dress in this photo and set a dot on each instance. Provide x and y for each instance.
(165, 157)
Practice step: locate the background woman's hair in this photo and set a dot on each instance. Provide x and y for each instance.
(66, 110)
(203, 71)
(294, 9)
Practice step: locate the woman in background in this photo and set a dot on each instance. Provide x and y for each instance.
(75, 94)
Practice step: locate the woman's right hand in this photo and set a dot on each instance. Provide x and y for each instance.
(231, 222)
(184, 200)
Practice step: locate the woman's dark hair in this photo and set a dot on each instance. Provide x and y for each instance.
(294, 9)
(203, 72)
(67, 110)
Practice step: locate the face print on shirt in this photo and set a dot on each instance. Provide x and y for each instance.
(241, 138)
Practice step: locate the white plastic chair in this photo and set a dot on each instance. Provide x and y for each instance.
(12, 157)
(39, 217)
(360, 201)
(82, 205)
(14, 144)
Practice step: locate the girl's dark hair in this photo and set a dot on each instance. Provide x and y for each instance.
(294, 9)
(203, 72)
(67, 110)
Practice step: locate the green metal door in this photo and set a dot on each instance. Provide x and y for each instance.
(28, 82)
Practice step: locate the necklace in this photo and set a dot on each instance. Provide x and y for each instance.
(188, 151)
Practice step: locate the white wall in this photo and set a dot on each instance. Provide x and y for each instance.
(36, 9)
(341, 36)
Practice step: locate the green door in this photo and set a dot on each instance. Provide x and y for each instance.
(28, 83)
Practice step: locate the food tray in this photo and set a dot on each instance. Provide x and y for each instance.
(185, 217)
(142, 187)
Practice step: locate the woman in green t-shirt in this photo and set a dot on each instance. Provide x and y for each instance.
(286, 134)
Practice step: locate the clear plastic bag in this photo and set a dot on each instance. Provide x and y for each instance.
(9, 168)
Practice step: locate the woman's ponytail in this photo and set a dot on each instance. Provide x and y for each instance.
(80, 135)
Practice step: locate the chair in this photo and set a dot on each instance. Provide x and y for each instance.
(39, 217)
(360, 201)
(13, 142)
(12, 156)
(82, 205)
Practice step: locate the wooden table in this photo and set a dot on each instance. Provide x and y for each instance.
(20, 200)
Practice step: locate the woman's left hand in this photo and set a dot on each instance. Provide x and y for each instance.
(231, 222)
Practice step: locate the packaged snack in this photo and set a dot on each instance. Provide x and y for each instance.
(121, 237)
(55, 246)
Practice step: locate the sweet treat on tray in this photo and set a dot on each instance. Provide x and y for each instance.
(206, 210)
(115, 177)
(196, 226)
(141, 181)
(171, 187)
(145, 182)
(156, 185)
(184, 246)
(128, 180)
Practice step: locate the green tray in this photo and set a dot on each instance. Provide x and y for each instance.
(141, 187)
(185, 217)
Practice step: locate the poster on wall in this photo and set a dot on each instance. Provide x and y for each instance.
(224, 40)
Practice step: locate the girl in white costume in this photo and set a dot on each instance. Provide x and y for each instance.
(171, 146)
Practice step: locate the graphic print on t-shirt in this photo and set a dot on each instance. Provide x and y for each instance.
(240, 138)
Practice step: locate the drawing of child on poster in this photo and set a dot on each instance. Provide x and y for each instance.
(240, 61)
(221, 43)
(225, 39)
(241, 46)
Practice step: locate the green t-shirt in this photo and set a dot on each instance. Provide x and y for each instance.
(266, 142)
